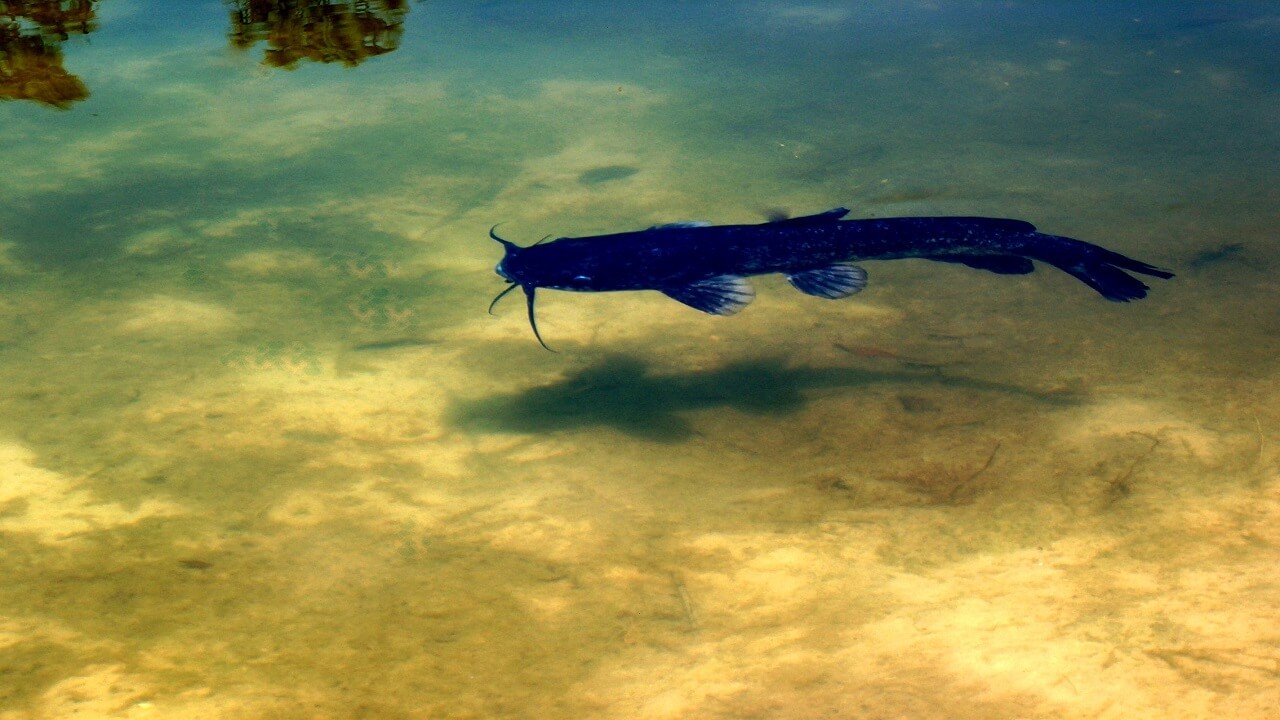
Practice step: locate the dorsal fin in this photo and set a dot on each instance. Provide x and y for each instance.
(822, 218)
(682, 224)
(990, 224)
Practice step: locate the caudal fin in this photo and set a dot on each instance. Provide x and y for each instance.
(1097, 267)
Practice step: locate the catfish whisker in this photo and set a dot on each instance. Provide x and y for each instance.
(502, 295)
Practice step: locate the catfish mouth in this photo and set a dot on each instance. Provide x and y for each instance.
(502, 271)
(509, 248)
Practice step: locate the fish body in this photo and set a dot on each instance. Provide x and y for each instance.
(706, 266)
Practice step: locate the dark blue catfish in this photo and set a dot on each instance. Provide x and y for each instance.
(705, 266)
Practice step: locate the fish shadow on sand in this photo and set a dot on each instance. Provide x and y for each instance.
(622, 394)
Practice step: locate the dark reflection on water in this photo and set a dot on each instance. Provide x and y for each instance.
(620, 393)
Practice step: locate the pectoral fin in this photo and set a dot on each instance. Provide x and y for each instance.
(831, 282)
(720, 295)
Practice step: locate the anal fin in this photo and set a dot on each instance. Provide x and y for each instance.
(720, 295)
(832, 282)
(1002, 264)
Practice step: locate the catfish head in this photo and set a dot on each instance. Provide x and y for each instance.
(513, 271)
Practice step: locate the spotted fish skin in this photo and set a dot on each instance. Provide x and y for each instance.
(706, 266)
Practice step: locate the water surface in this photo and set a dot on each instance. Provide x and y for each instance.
(263, 453)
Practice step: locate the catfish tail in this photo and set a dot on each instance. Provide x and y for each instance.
(1097, 267)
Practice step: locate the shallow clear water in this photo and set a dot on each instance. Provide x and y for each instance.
(264, 454)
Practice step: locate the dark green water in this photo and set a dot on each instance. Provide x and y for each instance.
(263, 454)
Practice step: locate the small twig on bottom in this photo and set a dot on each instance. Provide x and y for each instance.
(685, 601)
(1120, 485)
(955, 490)
(1262, 438)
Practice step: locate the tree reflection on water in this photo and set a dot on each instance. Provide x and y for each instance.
(31, 32)
(294, 31)
(318, 30)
